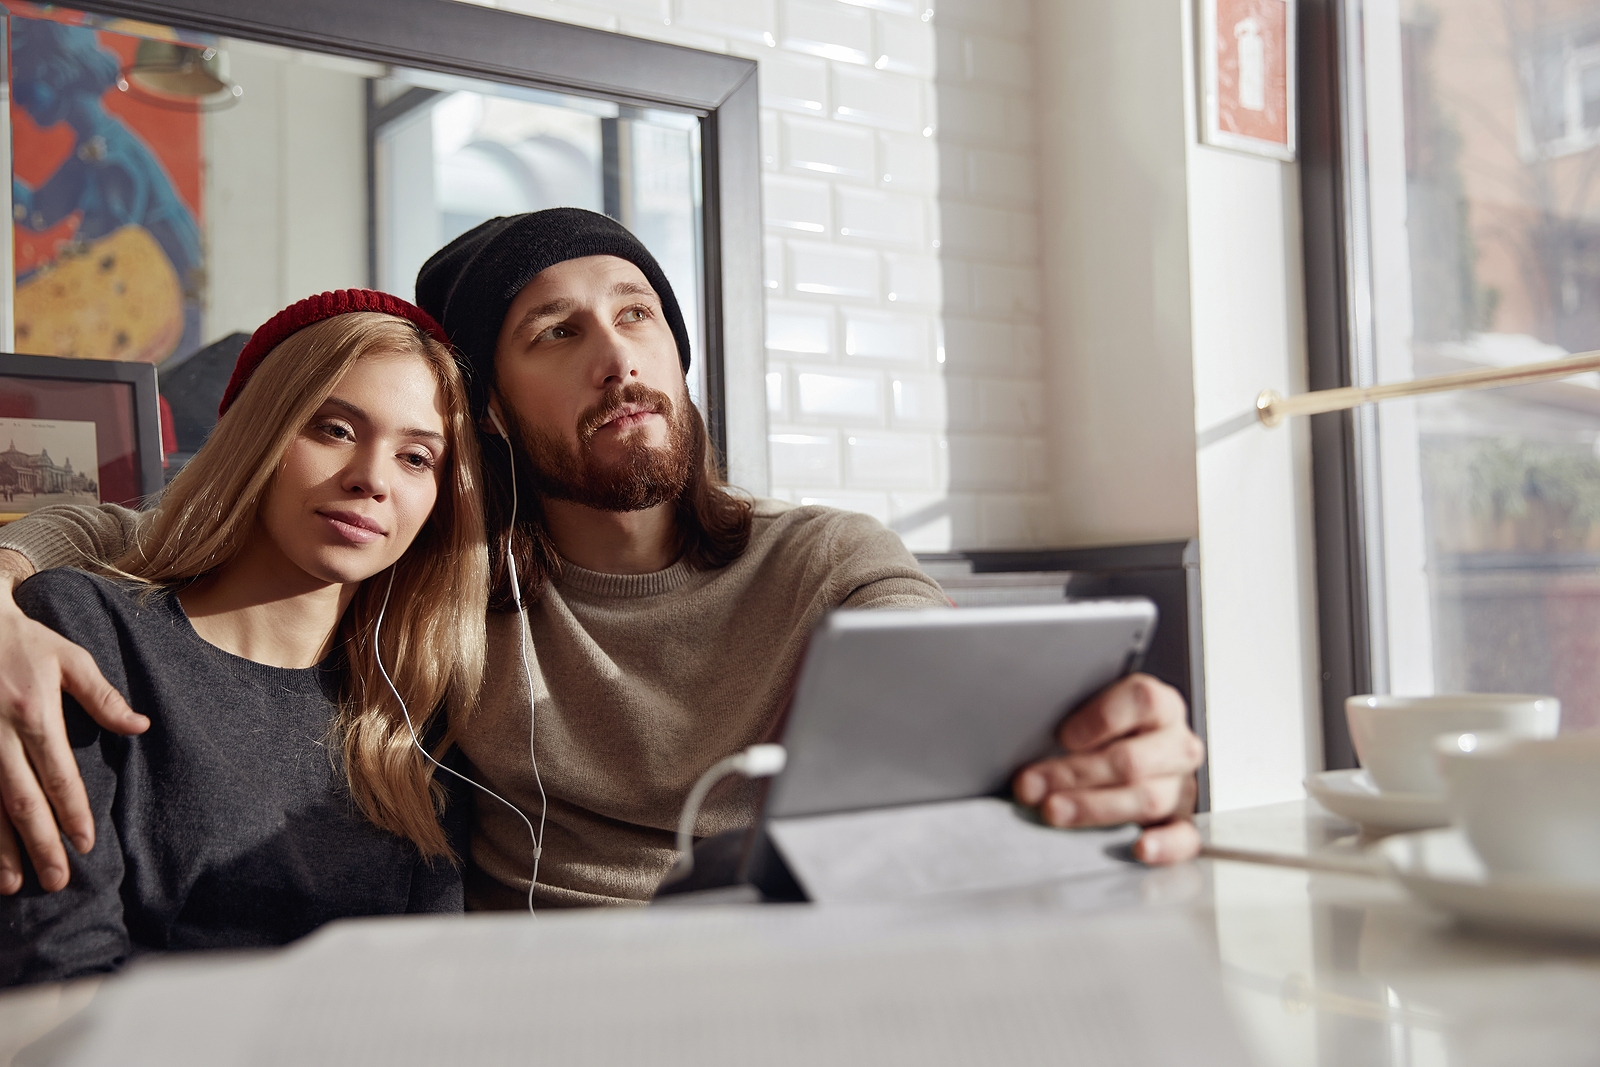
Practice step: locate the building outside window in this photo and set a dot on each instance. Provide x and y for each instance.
(1482, 185)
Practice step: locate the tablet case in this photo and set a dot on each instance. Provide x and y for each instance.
(909, 707)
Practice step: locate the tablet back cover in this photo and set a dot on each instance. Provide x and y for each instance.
(908, 707)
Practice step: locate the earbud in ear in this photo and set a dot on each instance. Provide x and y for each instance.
(494, 418)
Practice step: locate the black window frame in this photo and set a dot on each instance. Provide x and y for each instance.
(489, 44)
(1339, 353)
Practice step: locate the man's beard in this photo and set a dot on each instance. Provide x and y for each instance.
(642, 477)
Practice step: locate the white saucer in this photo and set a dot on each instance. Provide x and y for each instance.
(1352, 795)
(1440, 867)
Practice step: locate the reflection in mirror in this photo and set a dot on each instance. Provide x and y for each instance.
(449, 153)
(172, 190)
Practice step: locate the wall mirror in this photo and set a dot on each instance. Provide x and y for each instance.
(182, 171)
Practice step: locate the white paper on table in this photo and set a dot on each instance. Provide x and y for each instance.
(890, 854)
(780, 986)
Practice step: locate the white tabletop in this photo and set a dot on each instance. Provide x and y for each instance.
(1301, 963)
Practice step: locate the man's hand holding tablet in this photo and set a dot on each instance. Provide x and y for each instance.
(1130, 757)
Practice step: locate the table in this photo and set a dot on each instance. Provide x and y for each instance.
(1302, 953)
(1327, 961)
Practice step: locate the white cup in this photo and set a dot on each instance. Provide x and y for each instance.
(1530, 806)
(1394, 735)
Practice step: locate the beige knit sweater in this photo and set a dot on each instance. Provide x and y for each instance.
(640, 683)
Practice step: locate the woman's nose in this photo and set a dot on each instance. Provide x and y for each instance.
(365, 475)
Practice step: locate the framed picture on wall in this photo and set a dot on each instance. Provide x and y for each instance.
(1247, 90)
(77, 431)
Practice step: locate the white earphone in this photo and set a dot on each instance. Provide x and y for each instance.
(377, 654)
(527, 672)
(756, 761)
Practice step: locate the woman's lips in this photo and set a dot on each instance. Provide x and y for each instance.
(351, 527)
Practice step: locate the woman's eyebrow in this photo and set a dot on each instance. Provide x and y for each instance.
(349, 408)
(358, 413)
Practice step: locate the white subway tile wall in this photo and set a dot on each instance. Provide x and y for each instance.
(902, 262)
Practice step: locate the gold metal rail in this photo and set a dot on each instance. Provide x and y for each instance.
(1272, 409)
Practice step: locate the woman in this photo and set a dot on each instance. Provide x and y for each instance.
(327, 538)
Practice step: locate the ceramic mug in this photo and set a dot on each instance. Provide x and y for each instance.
(1530, 806)
(1394, 735)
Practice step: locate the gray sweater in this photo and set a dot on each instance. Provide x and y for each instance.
(228, 824)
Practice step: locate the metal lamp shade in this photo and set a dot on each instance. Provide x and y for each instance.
(180, 70)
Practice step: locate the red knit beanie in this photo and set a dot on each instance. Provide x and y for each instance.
(299, 315)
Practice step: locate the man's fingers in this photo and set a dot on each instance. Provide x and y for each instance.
(30, 815)
(81, 677)
(10, 859)
(1174, 842)
(1149, 801)
(1168, 751)
(56, 768)
(1133, 704)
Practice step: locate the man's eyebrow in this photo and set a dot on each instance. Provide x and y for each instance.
(356, 412)
(561, 305)
(633, 289)
(550, 308)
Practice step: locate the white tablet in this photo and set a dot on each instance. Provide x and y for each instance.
(908, 707)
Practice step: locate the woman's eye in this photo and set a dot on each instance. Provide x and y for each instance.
(420, 461)
(336, 430)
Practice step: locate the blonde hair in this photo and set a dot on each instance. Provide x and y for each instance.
(433, 633)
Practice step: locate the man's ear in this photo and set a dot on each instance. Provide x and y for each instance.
(493, 420)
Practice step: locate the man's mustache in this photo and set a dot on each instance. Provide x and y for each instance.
(606, 408)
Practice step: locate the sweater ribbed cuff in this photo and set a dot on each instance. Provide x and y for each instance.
(44, 546)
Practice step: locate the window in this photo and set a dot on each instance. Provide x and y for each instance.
(1471, 521)
(1558, 69)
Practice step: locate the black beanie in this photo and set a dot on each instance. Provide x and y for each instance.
(468, 285)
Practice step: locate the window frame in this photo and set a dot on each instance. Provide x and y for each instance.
(1339, 349)
(489, 44)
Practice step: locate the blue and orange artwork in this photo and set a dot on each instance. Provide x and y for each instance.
(106, 192)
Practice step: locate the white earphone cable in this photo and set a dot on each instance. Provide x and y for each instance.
(526, 638)
(377, 654)
(757, 761)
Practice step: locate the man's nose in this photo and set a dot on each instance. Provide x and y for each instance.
(615, 362)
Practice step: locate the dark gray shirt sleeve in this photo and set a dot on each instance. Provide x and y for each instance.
(80, 929)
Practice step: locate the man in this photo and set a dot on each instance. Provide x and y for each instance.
(666, 613)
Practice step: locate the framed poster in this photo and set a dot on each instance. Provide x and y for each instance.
(106, 191)
(1247, 91)
(76, 431)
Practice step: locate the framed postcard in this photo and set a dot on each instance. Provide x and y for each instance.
(1247, 91)
(77, 431)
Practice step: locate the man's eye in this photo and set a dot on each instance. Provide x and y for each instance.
(636, 314)
(554, 333)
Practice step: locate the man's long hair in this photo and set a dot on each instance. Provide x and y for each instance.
(433, 634)
(713, 518)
